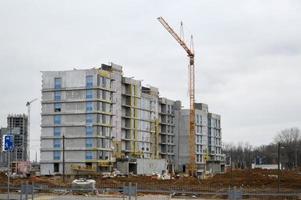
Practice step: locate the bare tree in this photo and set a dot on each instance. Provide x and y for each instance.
(242, 155)
(289, 140)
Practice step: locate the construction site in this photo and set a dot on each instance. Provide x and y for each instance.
(103, 132)
(256, 179)
(98, 120)
(252, 182)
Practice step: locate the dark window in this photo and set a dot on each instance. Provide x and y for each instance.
(56, 167)
(104, 95)
(104, 82)
(57, 107)
(89, 165)
(103, 120)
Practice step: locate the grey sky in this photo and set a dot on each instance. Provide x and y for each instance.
(248, 55)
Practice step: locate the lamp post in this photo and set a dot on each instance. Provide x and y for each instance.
(8, 174)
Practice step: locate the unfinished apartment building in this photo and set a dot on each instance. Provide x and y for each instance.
(103, 117)
(17, 125)
(208, 143)
(107, 118)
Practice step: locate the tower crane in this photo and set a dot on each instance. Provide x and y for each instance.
(28, 105)
(190, 53)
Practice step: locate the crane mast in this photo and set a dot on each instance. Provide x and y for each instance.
(190, 53)
(28, 105)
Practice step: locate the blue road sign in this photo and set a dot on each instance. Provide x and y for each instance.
(8, 142)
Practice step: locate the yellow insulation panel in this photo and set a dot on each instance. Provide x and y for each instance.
(104, 73)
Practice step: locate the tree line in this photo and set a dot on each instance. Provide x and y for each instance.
(243, 155)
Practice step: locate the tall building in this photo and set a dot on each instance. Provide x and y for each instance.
(3, 155)
(104, 117)
(17, 125)
(208, 143)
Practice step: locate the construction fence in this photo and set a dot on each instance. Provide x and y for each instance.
(134, 191)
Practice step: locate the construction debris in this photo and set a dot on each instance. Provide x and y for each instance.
(255, 178)
(83, 184)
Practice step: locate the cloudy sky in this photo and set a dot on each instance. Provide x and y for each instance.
(248, 55)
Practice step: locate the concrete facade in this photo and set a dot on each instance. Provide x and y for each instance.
(142, 166)
(76, 104)
(207, 139)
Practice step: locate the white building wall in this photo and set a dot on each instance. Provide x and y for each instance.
(73, 118)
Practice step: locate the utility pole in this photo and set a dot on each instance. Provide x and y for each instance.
(8, 146)
(64, 158)
(231, 172)
(279, 166)
(296, 156)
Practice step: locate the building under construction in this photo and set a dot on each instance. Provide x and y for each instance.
(17, 125)
(208, 141)
(94, 118)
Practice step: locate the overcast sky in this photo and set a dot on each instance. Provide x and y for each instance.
(248, 55)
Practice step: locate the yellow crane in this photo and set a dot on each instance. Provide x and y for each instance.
(192, 169)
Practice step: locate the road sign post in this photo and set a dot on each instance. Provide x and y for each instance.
(8, 173)
(8, 146)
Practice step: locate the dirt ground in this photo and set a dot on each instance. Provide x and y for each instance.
(257, 178)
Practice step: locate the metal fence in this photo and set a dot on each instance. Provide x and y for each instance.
(133, 191)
